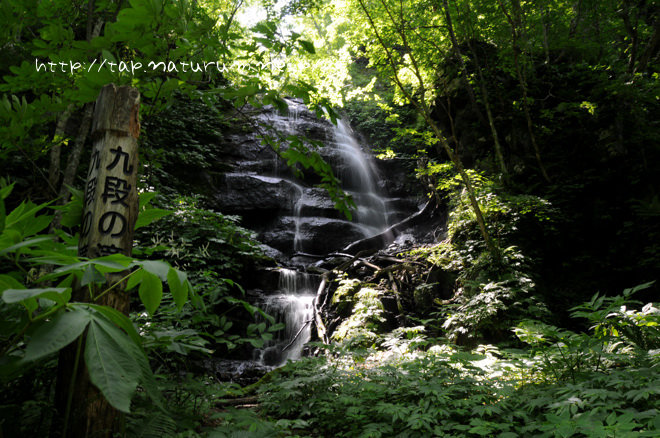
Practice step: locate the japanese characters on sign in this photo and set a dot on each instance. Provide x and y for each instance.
(110, 198)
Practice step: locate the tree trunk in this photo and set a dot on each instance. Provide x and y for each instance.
(491, 123)
(109, 218)
(546, 30)
(631, 29)
(461, 63)
(56, 149)
(72, 164)
(651, 48)
(514, 22)
(422, 109)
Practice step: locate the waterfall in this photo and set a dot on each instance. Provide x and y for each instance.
(293, 302)
(359, 177)
(293, 305)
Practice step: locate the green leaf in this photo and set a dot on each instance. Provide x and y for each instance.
(6, 190)
(9, 282)
(3, 216)
(117, 318)
(151, 292)
(134, 279)
(248, 90)
(57, 333)
(29, 242)
(19, 214)
(58, 294)
(72, 215)
(155, 267)
(308, 46)
(108, 56)
(145, 199)
(150, 215)
(112, 368)
(92, 275)
(178, 286)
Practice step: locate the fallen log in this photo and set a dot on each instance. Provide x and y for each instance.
(386, 237)
(250, 400)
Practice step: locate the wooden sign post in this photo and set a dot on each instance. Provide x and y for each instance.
(111, 198)
(110, 205)
(109, 215)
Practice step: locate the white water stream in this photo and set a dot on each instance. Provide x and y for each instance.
(293, 304)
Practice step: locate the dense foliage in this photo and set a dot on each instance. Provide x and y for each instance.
(531, 125)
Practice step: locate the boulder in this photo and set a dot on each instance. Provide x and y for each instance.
(246, 193)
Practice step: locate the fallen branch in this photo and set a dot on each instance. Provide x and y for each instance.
(297, 334)
(387, 236)
(393, 268)
(368, 264)
(238, 401)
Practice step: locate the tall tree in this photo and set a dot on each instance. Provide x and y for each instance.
(400, 55)
(515, 20)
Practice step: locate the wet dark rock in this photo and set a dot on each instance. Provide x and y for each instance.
(280, 234)
(316, 202)
(249, 192)
(325, 235)
(243, 372)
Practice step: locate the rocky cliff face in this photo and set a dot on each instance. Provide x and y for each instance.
(291, 215)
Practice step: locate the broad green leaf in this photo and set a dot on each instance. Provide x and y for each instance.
(117, 318)
(111, 366)
(34, 225)
(9, 282)
(178, 286)
(113, 260)
(53, 258)
(11, 367)
(72, 215)
(3, 215)
(57, 333)
(29, 242)
(25, 212)
(155, 267)
(147, 379)
(108, 56)
(6, 190)
(248, 90)
(151, 292)
(92, 275)
(58, 294)
(135, 279)
(150, 215)
(308, 46)
(145, 199)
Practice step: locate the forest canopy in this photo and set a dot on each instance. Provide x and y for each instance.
(511, 289)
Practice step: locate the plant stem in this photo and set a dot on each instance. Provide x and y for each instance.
(69, 399)
(118, 282)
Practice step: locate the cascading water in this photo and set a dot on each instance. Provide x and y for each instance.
(293, 305)
(358, 177)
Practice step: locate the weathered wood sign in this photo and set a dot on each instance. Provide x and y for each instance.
(111, 199)
(109, 215)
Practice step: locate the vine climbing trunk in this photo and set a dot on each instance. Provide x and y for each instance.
(109, 215)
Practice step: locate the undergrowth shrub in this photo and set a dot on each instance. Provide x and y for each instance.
(608, 386)
(490, 292)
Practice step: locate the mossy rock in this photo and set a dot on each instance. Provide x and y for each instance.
(361, 328)
(424, 296)
(343, 299)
